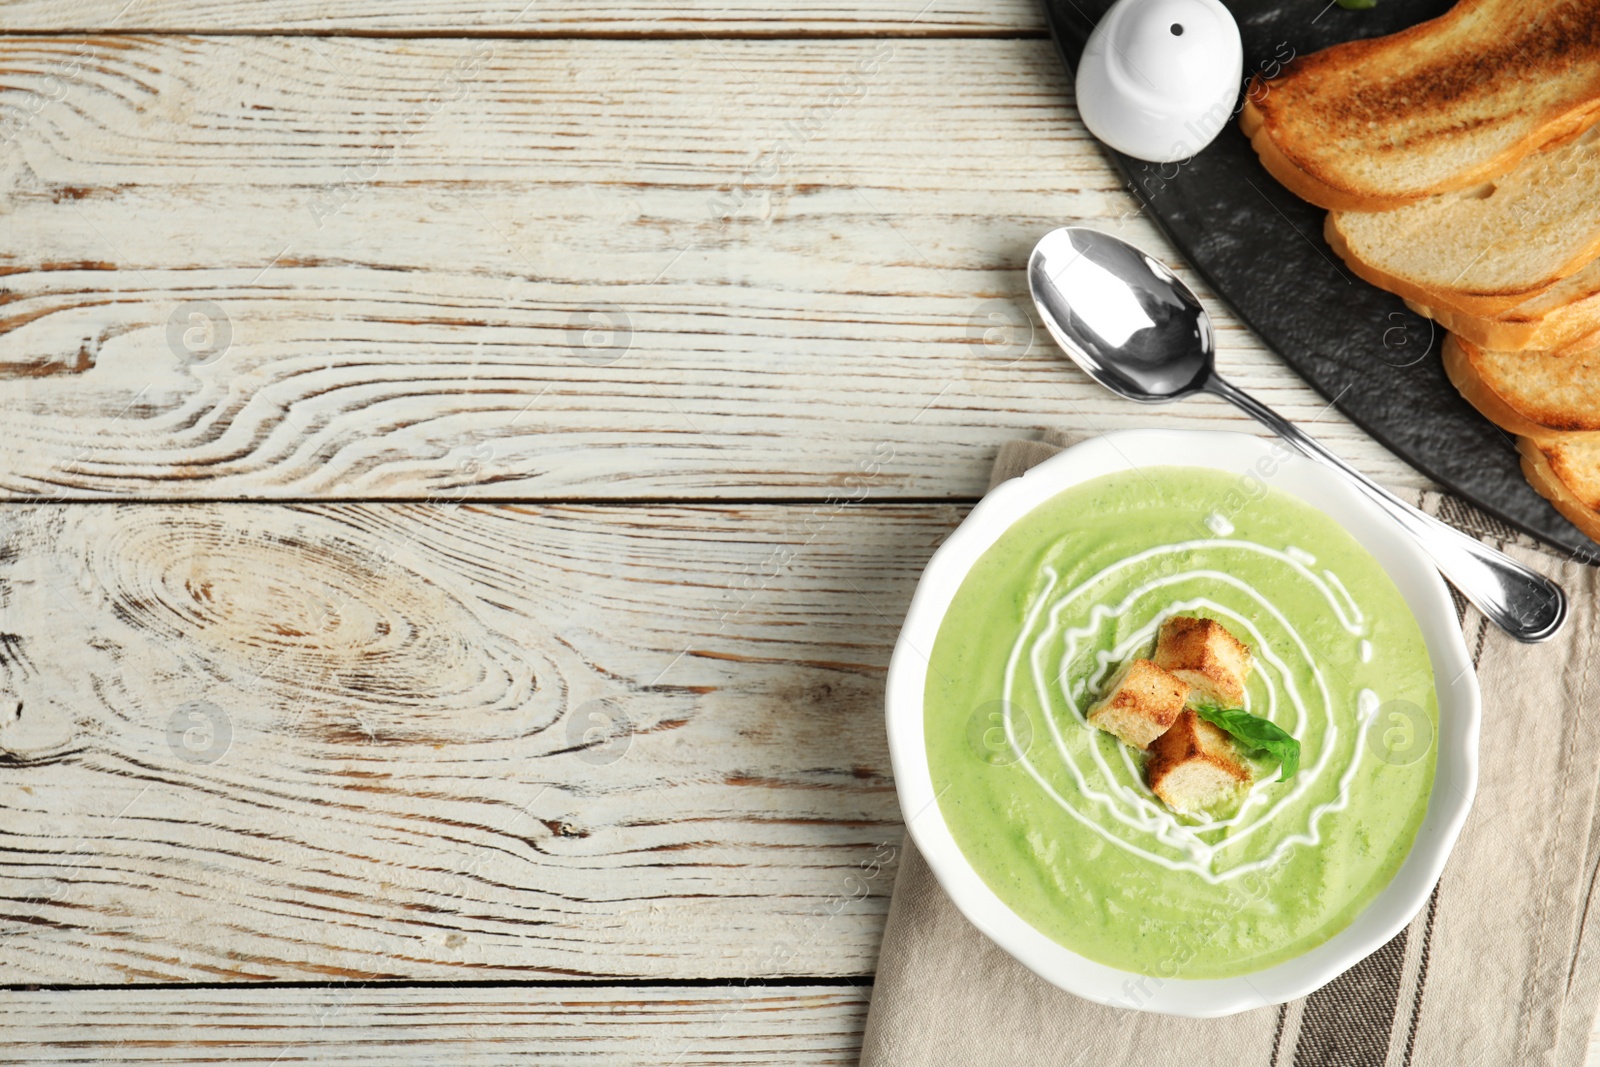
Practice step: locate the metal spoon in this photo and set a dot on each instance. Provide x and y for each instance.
(1137, 330)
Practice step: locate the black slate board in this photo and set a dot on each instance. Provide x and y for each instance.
(1261, 249)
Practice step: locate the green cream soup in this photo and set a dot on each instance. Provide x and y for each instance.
(1054, 814)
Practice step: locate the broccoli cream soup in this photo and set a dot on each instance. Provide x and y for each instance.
(1054, 814)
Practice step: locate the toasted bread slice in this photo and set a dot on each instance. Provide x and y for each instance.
(1566, 470)
(1564, 318)
(1530, 394)
(1485, 250)
(1452, 102)
(1194, 765)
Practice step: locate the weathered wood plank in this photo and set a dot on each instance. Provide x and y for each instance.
(433, 741)
(443, 18)
(315, 267)
(386, 1026)
(747, 1025)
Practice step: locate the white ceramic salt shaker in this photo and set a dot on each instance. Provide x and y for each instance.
(1158, 78)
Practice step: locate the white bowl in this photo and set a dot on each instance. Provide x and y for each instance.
(1455, 778)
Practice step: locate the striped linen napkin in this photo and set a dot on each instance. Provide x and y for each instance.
(1502, 967)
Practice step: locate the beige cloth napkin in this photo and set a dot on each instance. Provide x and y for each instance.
(1501, 968)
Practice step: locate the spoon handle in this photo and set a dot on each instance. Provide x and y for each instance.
(1526, 605)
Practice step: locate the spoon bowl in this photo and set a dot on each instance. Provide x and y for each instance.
(1121, 315)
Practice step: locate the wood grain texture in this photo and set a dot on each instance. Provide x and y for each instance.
(252, 742)
(297, 267)
(565, 17)
(351, 1025)
(348, 743)
(384, 1026)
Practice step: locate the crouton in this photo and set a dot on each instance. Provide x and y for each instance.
(1204, 654)
(1141, 702)
(1194, 765)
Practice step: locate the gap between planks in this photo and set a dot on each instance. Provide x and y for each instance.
(509, 501)
(845, 981)
(556, 17)
(901, 33)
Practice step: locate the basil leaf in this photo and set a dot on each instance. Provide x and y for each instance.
(1256, 734)
(1358, 5)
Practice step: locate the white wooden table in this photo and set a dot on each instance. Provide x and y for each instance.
(464, 467)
